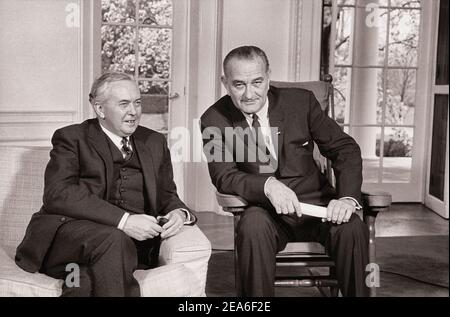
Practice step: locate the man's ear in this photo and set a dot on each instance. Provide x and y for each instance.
(99, 110)
(223, 79)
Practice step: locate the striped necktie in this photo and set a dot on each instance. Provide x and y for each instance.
(126, 148)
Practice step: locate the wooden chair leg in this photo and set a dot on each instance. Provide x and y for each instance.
(334, 290)
(369, 218)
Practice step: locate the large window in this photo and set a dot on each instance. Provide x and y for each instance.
(371, 48)
(137, 39)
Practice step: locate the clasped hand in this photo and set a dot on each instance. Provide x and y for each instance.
(286, 202)
(143, 227)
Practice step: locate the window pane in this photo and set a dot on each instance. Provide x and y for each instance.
(118, 48)
(153, 88)
(155, 104)
(344, 26)
(398, 143)
(380, 95)
(154, 52)
(119, 11)
(406, 3)
(368, 140)
(367, 95)
(400, 96)
(370, 36)
(404, 37)
(382, 34)
(154, 96)
(341, 82)
(156, 12)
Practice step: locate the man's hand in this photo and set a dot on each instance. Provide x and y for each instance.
(282, 198)
(142, 227)
(175, 222)
(339, 211)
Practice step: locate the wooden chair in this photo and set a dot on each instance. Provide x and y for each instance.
(312, 255)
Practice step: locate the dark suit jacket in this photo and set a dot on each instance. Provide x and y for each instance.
(300, 121)
(78, 179)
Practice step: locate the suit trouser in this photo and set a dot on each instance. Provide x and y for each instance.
(105, 255)
(262, 233)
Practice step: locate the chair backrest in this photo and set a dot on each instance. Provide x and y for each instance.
(322, 90)
(324, 93)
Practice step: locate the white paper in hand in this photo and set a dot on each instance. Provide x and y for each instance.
(313, 210)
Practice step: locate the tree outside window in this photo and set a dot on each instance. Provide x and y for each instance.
(136, 39)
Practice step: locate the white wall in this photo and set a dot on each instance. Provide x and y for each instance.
(263, 23)
(40, 85)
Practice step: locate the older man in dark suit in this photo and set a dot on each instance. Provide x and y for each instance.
(281, 173)
(108, 183)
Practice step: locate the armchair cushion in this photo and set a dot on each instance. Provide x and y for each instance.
(16, 282)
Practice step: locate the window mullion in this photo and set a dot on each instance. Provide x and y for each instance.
(384, 102)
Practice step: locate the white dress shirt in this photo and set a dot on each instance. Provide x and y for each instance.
(117, 140)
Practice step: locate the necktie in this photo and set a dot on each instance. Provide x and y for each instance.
(126, 148)
(259, 137)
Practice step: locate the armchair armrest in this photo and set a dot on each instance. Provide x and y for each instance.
(231, 203)
(376, 201)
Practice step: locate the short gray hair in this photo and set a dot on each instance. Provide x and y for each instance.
(248, 53)
(101, 83)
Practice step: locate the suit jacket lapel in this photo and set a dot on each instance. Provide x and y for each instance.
(276, 119)
(148, 169)
(100, 144)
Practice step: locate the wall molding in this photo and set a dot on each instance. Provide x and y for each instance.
(38, 117)
(295, 40)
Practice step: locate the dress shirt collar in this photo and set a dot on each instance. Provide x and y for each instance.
(117, 140)
(262, 113)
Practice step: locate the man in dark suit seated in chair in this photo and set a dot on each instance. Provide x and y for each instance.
(107, 185)
(279, 172)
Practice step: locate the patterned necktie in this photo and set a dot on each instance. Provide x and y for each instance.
(126, 148)
(257, 133)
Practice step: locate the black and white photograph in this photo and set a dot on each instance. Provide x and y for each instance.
(224, 153)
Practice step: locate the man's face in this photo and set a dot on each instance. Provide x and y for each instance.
(120, 109)
(247, 83)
